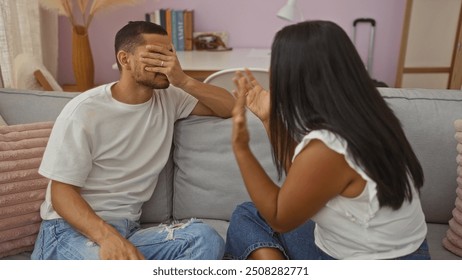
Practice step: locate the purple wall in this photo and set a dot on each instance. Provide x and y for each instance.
(250, 24)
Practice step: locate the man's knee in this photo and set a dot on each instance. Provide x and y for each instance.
(208, 243)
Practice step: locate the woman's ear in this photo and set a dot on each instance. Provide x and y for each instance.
(124, 60)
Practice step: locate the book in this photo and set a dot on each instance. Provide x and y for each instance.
(162, 18)
(153, 17)
(188, 30)
(168, 23)
(180, 30)
(174, 23)
(156, 17)
(179, 25)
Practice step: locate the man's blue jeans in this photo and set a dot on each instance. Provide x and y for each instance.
(191, 240)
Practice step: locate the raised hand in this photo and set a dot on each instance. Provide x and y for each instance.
(257, 98)
(240, 137)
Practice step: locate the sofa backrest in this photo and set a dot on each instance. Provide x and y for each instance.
(207, 183)
(202, 179)
(427, 116)
(19, 106)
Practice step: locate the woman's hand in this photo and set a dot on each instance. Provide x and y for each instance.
(257, 98)
(240, 137)
(251, 94)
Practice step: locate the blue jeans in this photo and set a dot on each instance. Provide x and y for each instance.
(191, 240)
(248, 232)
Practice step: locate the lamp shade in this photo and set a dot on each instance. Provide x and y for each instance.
(288, 11)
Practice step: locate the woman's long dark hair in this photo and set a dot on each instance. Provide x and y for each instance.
(318, 81)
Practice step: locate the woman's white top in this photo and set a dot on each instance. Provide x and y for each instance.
(357, 228)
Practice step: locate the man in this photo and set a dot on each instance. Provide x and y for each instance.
(107, 149)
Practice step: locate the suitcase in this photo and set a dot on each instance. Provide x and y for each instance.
(370, 52)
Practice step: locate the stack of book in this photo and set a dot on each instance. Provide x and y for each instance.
(179, 25)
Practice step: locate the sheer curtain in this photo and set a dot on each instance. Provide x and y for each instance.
(26, 28)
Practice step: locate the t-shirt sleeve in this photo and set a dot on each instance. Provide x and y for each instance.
(184, 102)
(67, 157)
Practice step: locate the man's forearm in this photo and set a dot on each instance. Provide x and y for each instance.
(217, 99)
(70, 205)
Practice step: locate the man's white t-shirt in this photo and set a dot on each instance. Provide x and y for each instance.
(112, 150)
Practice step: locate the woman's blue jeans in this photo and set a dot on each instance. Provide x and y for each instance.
(248, 232)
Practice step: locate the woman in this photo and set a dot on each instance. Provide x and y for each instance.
(352, 180)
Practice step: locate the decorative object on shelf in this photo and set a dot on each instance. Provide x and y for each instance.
(211, 41)
(80, 14)
(288, 11)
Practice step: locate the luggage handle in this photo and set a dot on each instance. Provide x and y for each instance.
(369, 20)
(370, 54)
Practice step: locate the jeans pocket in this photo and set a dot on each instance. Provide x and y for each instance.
(60, 227)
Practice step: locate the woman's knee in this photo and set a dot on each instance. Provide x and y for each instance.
(247, 218)
(243, 213)
(245, 208)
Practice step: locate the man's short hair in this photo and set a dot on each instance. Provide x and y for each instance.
(130, 36)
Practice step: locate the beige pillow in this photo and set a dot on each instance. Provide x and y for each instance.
(22, 189)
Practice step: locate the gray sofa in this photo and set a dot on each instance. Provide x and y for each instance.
(202, 180)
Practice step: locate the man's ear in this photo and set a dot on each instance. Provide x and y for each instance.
(124, 59)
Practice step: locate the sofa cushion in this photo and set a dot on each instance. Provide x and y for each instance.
(2, 121)
(159, 208)
(207, 182)
(22, 189)
(436, 232)
(427, 117)
(28, 106)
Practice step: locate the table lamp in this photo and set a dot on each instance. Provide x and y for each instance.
(288, 11)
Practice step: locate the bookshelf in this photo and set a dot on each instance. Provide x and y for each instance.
(179, 25)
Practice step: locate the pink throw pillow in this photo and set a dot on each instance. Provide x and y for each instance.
(22, 189)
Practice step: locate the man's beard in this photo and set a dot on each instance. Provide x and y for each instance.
(155, 81)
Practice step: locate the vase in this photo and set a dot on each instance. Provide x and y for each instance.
(82, 59)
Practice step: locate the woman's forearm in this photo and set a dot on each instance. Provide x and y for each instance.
(261, 188)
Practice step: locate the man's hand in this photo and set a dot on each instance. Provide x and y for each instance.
(162, 59)
(116, 247)
(71, 206)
